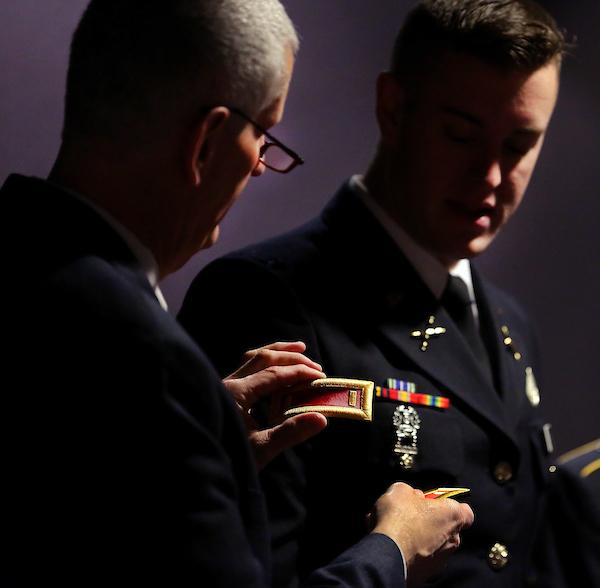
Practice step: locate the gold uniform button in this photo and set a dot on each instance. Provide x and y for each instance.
(503, 472)
(498, 556)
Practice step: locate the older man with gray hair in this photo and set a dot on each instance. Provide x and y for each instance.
(125, 461)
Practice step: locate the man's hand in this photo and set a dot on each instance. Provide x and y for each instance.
(272, 369)
(425, 530)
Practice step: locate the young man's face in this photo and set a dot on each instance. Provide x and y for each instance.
(468, 140)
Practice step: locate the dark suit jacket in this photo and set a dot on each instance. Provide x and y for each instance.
(124, 461)
(341, 285)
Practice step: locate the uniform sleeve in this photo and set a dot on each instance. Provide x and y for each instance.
(232, 306)
(373, 562)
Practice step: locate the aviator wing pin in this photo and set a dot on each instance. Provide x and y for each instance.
(430, 331)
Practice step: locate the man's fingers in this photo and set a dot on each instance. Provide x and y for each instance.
(467, 514)
(453, 543)
(269, 357)
(273, 380)
(298, 346)
(265, 357)
(463, 512)
(271, 442)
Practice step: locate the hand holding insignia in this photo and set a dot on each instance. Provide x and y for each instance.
(426, 531)
(273, 370)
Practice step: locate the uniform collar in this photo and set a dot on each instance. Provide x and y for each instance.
(143, 255)
(431, 271)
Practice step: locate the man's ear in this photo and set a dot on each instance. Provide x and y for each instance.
(204, 141)
(390, 103)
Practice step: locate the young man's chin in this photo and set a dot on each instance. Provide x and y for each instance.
(477, 246)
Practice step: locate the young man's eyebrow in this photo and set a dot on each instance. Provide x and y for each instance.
(467, 116)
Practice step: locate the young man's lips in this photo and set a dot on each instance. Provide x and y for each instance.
(483, 221)
(481, 217)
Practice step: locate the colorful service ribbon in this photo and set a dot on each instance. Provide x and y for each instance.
(412, 397)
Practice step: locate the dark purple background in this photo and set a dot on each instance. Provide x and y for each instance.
(547, 256)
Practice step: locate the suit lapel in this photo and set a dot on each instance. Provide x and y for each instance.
(396, 303)
(448, 361)
(502, 356)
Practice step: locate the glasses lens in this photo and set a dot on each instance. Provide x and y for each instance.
(276, 158)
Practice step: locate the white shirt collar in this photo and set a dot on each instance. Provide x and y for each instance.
(431, 271)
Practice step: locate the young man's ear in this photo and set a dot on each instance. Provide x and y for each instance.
(204, 141)
(390, 103)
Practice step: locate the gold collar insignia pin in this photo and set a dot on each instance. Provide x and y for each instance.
(430, 331)
(509, 343)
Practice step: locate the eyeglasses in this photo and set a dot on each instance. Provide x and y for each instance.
(273, 153)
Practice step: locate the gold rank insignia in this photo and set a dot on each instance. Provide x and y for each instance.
(445, 492)
(430, 331)
(332, 397)
(509, 343)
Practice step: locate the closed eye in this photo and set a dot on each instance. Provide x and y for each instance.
(458, 135)
(459, 126)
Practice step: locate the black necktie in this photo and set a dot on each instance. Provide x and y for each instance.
(458, 304)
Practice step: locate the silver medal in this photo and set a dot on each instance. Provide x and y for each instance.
(407, 423)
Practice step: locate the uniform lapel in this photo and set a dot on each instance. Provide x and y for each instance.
(509, 371)
(448, 360)
(396, 302)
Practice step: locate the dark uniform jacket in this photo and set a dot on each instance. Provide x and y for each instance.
(124, 462)
(342, 286)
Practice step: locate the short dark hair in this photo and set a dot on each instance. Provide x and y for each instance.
(510, 34)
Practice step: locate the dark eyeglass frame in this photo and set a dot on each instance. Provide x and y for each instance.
(270, 141)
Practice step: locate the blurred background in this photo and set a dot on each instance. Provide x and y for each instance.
(548, 256)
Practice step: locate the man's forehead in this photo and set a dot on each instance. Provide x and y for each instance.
(459, 70)
(465, 86)
(273, 112)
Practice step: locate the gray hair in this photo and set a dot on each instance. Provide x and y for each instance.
(135, 60)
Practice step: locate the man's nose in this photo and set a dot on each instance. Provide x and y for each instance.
(489, 170)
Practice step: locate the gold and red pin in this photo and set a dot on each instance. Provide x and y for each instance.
(445, 492)
(332, 397)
